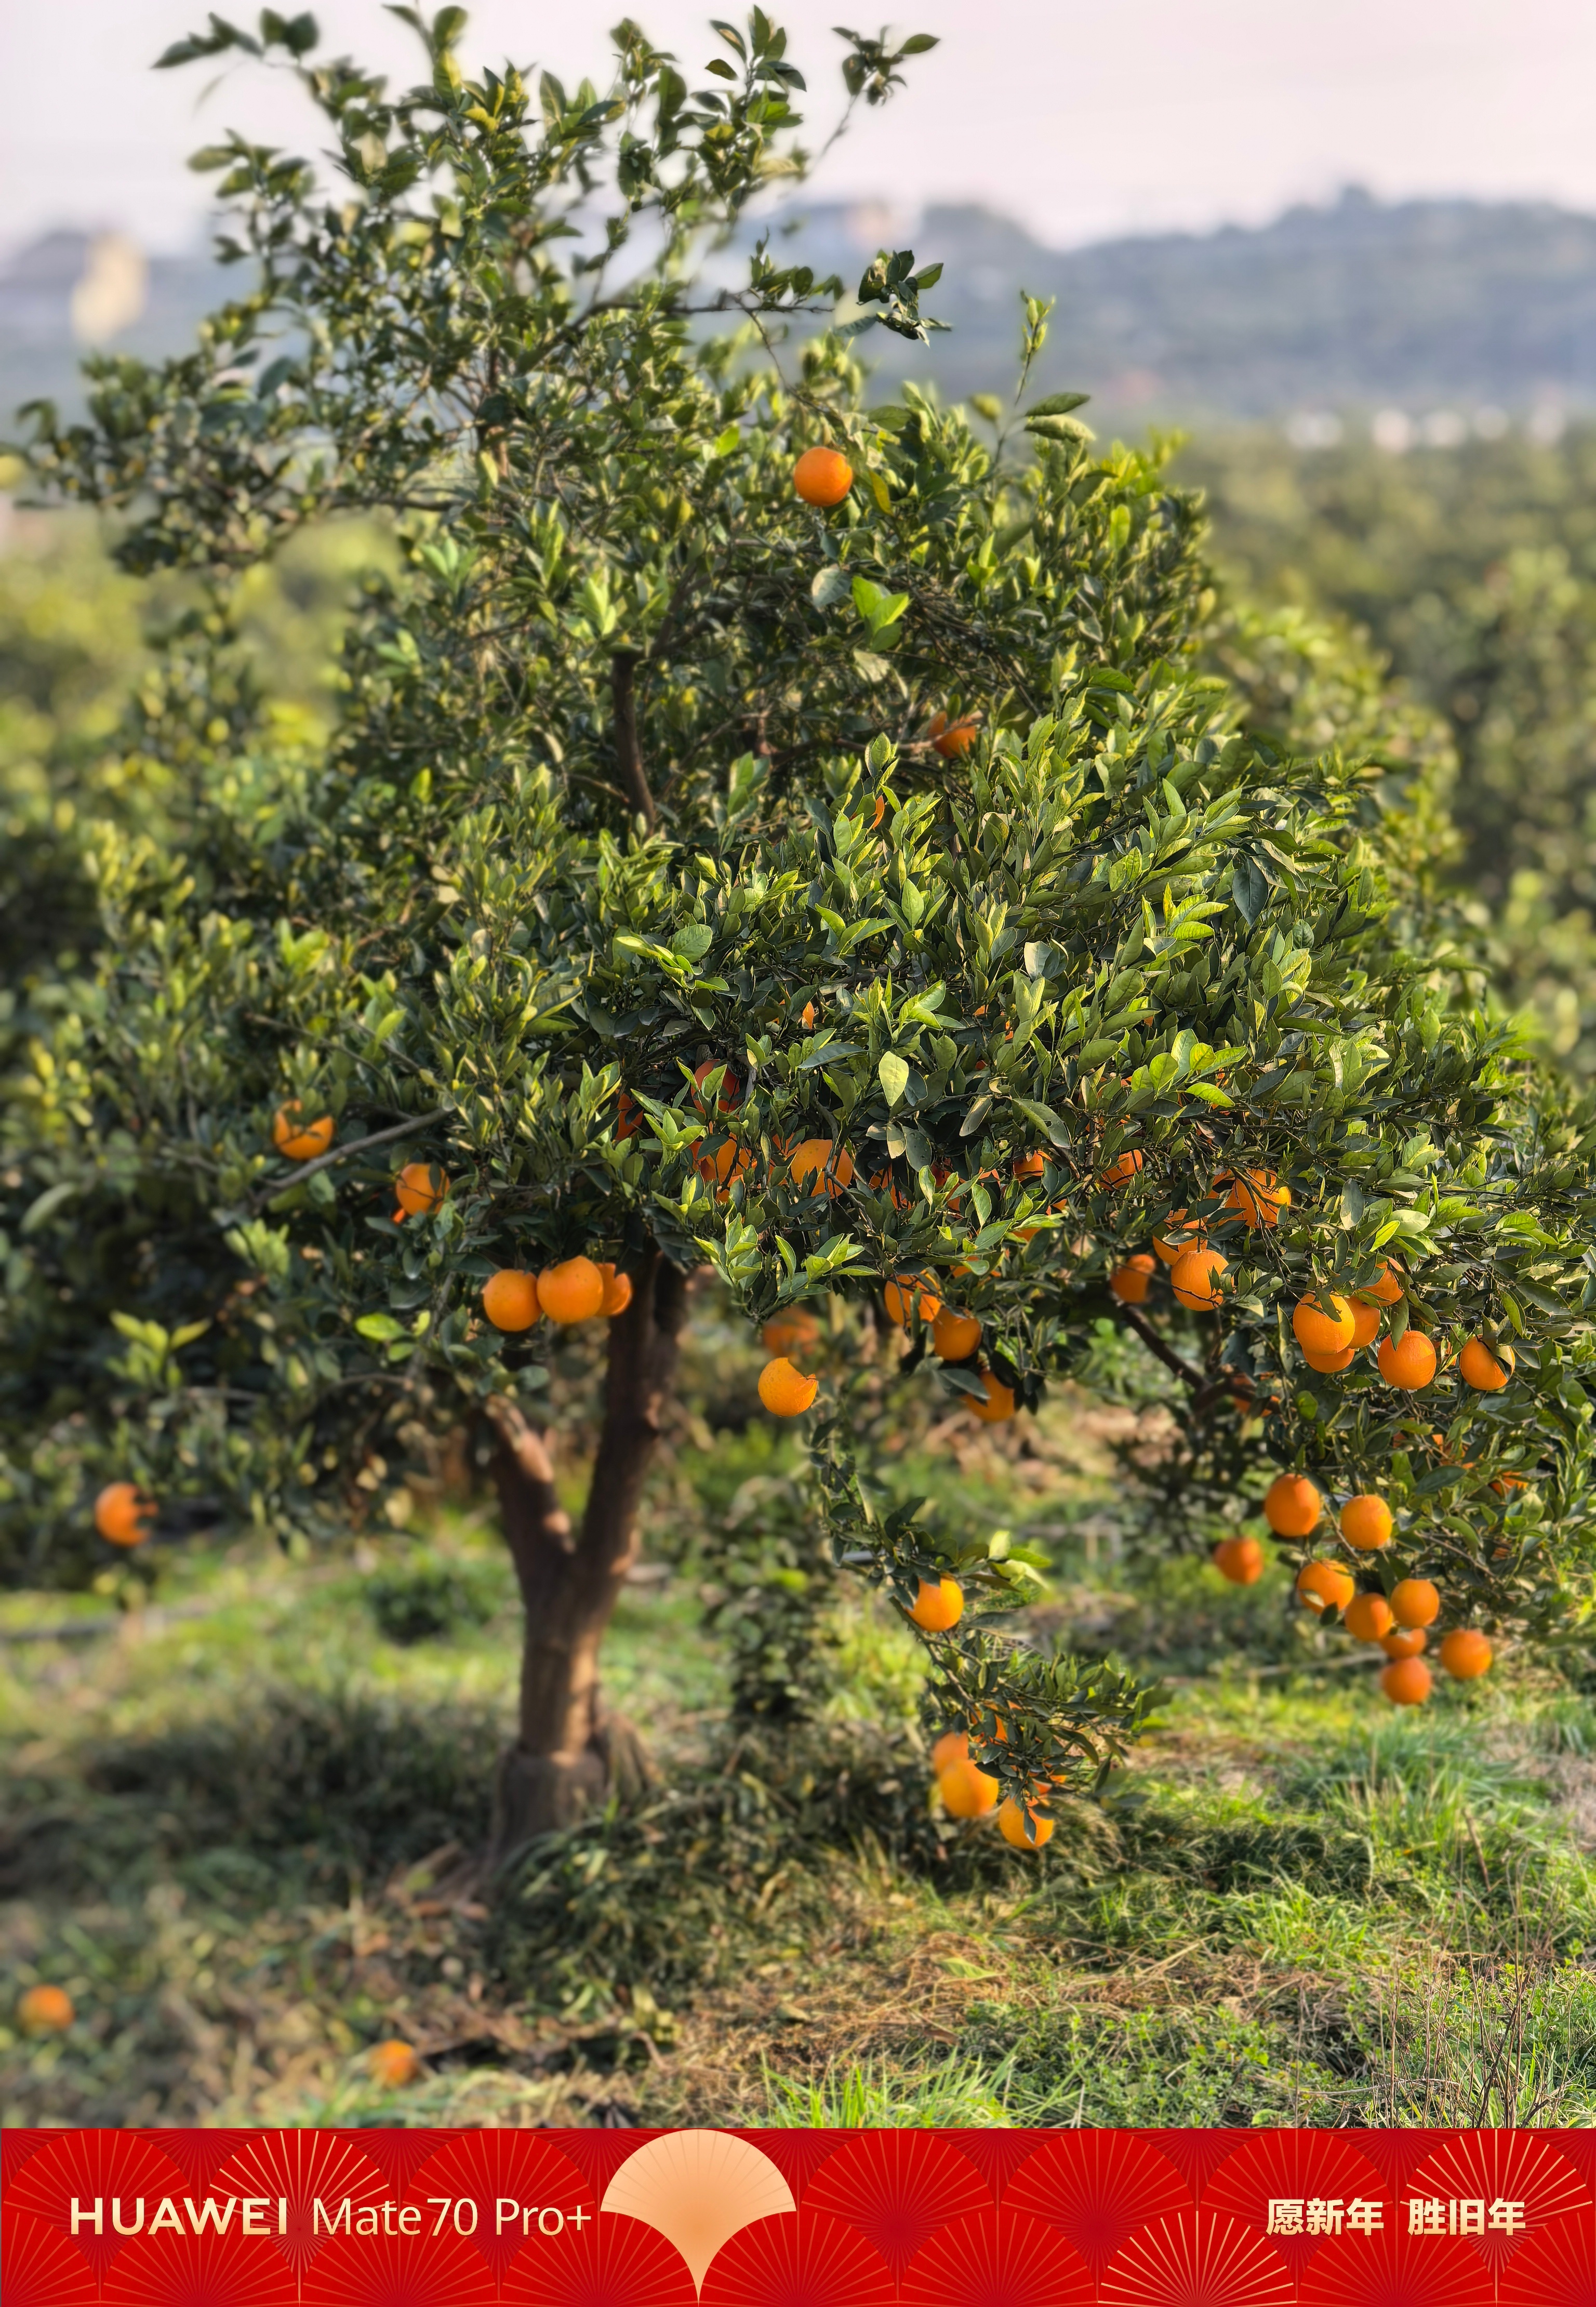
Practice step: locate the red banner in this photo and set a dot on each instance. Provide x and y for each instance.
(798, 2218)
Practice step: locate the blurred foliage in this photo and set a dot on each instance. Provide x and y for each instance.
(1471, 570)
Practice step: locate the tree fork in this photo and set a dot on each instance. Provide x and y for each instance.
(569, 1752)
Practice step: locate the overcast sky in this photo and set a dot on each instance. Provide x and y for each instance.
(1084, 118)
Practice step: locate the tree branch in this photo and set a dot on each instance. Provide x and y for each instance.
(341, 1153)
(629, 758)
(1154, 1345)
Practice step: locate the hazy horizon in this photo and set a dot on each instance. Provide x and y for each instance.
(1044, 110)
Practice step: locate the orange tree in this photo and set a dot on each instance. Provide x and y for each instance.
(761, 838)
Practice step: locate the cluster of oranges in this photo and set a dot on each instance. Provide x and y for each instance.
(967, 1791)
(954, 1337)
(1398, 1621)
(419, 1188)
(1255, 1197)
(575, 1290)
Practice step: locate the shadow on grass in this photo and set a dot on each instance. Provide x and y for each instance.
(340, 1789)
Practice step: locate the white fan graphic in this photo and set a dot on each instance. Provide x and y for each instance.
(698, 2189)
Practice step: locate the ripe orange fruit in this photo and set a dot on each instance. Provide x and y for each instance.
(629, 1115)
(1327, 1364)
(509, 1299)
(1404, 1641)
(1292, 1505)
(1030, 1165)
(829, 1167)
(124, 1514)
(1194, 1278)
(905, 1296)
(1255, 1197)
(394, 2064)
(1317, 1332)
(1011, 1826)
(297, 1143)
(1324, 1585)
(1465, 1653)
(965, 1791)
(1366, 1522)
(571, 1291)
(955, 1336)
(1131, 1281)
(419, 1187)
(1415, 1602)
(1121, 1171)
(999, 1405)
(1386, 1290)
(785, 1391)
(617, 1291)
(1406, 1681)
(793, 1331)
(953, 1746)
(952, 739)
(1486, 1372)
(1366, 1322)
(47, 2011)
(936, 1608)
(1179, 1236)
(1408, 1362)
(1240, 1559)
(1369, 1617)
(823, 477)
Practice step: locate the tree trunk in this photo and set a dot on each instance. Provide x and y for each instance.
(569, 1752)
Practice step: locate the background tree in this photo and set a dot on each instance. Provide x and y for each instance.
(1470, 570)
(805, 870)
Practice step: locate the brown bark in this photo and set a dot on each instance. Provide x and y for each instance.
(629, 753)
(569, 1752)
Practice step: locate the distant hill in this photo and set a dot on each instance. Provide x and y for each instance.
(1424, 304)
(1421, 306)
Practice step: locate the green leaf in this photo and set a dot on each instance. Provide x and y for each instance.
(1057, 404)
(380, 1327)
(894, 1074)
(880, 610)
(40, 1212)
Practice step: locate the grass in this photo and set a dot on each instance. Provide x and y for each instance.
(234, 1831)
